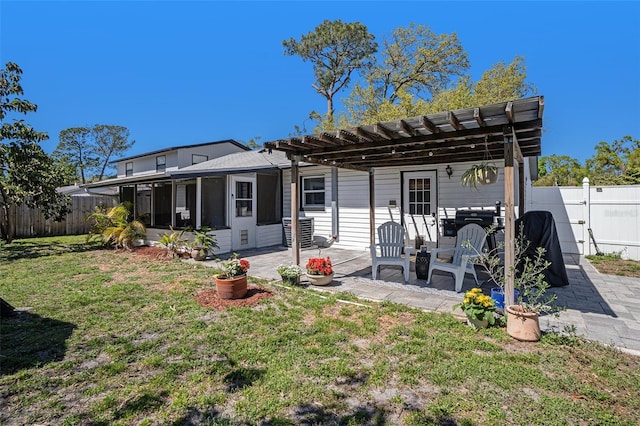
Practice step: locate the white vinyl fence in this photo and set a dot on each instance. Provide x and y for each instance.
(611, 212)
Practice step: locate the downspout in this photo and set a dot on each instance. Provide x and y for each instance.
(335, 222)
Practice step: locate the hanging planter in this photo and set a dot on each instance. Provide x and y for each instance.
(483, 173)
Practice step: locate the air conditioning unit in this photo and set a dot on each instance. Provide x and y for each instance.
(305, 231)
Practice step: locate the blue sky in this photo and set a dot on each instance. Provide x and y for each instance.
(178, 73)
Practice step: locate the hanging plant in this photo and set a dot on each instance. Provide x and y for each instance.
(483, 173)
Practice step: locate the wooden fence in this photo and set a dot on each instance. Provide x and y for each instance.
(28, 222)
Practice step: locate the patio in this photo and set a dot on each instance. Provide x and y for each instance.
(600, 307)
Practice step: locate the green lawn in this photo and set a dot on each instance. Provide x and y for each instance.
(118, 338)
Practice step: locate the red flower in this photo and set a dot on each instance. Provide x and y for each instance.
(319, 266)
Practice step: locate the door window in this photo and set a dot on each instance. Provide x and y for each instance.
(420, 196)
(244, 199)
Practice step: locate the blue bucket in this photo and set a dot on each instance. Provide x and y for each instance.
(497, 294)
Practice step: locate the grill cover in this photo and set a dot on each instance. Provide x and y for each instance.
(540, 229)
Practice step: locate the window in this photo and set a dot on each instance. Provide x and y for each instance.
(313, 192)
(161, 163)
(128, 167)
(197, 158)
(420, 196)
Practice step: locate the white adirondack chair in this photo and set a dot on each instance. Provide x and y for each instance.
(390, 246)
(462, 261)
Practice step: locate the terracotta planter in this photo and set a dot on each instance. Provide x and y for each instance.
(523, 325)
(320, 279)
(231, 288)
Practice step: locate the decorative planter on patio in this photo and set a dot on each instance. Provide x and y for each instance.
(231, 288)
(320, 279)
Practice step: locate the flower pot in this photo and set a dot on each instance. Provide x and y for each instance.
(489, 177)
(523, 325)
(497, 294)
(476, 323)
(198, 254)
(320, 279)
(231, 288)
(290, 280)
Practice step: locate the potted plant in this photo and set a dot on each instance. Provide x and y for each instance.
(319, 270)
(478, 308)
(482, 173)
(232, 283)
(532, 298)
(290, 273)
(203, 243)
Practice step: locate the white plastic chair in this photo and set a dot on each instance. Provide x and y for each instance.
(390, 245)
(462, 261)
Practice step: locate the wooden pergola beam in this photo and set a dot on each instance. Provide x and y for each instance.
(453, 120)
(428, 125)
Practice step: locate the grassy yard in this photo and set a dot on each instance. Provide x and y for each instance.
(613, 265)
(118, 338)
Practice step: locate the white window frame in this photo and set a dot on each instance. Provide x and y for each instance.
(304, 191)
(161, 167)
(128, 168)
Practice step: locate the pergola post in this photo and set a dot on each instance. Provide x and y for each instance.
(295, 246)
(509, 217)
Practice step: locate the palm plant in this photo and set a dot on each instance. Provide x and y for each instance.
(114, 227)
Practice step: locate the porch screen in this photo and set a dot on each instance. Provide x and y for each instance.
(162, 204)
(269, 199)
(186, 204)
(213, 202)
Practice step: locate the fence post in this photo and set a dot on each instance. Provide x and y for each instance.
(586, 213)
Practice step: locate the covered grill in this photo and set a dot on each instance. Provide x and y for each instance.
(483, 218)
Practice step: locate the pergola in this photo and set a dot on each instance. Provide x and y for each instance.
(509, 130)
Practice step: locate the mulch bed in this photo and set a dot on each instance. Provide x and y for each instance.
(157, 253)
(209, 298)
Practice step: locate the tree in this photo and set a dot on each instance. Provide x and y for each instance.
(336, 49)
(414, 65)
(75, 148)
(559, 170)
(27, 174)
(616, 163)
(500, 83)
(109, 141)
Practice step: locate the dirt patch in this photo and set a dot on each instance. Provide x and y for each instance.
(209, 298)
(157, 253)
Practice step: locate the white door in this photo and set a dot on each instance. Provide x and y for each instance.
(243, 213)
(420, 208)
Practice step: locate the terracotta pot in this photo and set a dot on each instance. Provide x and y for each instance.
(320, 279)
(523, 325)
(231, 288)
